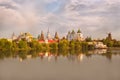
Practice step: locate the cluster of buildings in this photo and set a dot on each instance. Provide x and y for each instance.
(98, 44)
(71, 35)
(48, 38)
(75, 35)
(23, 36)
(41, 38)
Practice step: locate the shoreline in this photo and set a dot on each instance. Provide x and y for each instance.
(113, 48)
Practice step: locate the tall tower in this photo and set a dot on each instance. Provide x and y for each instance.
(56, 36)
(79, 35)
(13, 36)
(48, 35)
(42, 36)
(109, 36)
(73, 36)
(69, 35)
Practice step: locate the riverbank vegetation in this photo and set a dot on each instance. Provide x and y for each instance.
(35, 45)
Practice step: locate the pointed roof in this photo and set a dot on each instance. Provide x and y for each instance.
(42, 36)
(48, 31)
(13, 34)
(68, 32)
(79, 31)
(73, 32)
(56, 35)
(48, 35)
(41, 32)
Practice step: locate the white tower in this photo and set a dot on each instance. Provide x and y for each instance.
(48, 35)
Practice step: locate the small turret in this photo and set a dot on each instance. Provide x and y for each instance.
(41, 36)
(73, 32)
(56, 36)
(79, 31)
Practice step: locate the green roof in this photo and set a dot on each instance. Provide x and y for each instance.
(73, 32)
(79, 31)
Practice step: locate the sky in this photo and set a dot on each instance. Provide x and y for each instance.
(95, 18)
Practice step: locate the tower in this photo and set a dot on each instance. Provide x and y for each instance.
(79, 35)
(69, 36)
(48, 35)
(13, 36)
(73, 36)
(56, 36)
(41, 36)
(110, 36)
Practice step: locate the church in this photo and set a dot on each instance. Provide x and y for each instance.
(75, 36)
(48, 38)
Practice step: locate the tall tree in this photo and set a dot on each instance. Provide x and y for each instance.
(22, 45)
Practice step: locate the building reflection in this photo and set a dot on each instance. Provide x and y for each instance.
(20, 59)
(69, 55)
(98, 51)
(80, 57)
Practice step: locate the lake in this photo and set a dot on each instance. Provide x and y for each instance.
(91, 65)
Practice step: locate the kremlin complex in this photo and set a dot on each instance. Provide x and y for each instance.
(72, 36)
(48, 38)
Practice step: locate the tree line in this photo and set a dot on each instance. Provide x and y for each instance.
(63, 44)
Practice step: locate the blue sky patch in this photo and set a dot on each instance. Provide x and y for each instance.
(53, 7)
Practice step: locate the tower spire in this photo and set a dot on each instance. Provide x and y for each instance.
(48, 30)
(48, 34)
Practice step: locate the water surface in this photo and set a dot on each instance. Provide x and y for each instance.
(94, 65)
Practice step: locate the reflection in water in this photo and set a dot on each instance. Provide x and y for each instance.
(60, 65)
(98, 51)
(70, 55)
(80, 57)
(20, 59)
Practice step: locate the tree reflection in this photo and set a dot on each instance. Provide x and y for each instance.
(71, 55)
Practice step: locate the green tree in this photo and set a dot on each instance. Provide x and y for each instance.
(5, 44)
(88, 39)
(84, 46)
(22, 45)
(78, 45)
(53, 45)
(108, 42)
(116, 44)
(35, 45)
(45, 47)
(72, 44)
(14, 46)
(63, 44)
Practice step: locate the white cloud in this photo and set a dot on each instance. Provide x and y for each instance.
(98, 16)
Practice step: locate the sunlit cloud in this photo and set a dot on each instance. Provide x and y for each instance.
(91, 16)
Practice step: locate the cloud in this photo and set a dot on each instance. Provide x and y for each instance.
(96, 16)
(13, 15)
